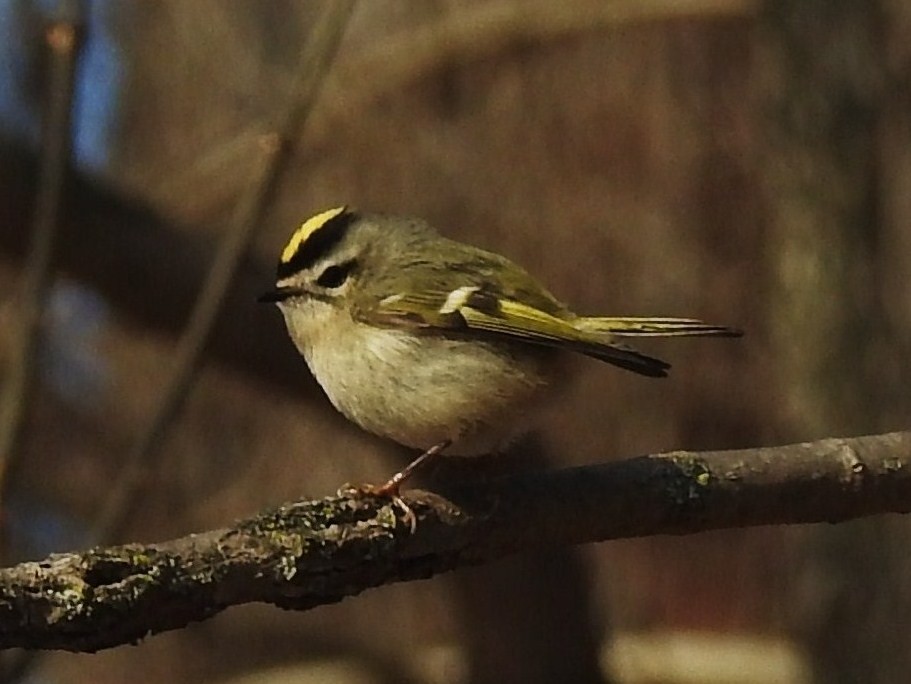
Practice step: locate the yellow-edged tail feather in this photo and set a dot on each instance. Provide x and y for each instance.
(653, 327)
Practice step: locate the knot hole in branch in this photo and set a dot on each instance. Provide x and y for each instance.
(107, 571)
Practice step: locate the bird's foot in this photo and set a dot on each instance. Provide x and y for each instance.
(391, 488)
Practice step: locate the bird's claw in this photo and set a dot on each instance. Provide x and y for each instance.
(383, 492)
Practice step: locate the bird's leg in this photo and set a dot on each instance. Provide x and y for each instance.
(392, 486)
(394, 483)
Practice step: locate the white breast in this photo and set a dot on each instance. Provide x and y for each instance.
(420, 390)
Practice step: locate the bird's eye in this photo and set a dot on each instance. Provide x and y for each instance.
(335, 275)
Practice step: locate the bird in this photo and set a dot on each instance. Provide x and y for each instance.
(434, 343)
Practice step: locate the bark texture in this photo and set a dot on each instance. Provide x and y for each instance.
(314, 552)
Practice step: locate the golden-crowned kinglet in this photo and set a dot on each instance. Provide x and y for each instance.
(434, 343)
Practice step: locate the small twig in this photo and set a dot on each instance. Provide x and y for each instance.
(318, 54)
(311, 553)
(63, 38)
(483, 30)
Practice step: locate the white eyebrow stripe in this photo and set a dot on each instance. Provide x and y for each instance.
(458, 298)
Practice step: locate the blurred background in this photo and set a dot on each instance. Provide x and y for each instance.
(748, 163)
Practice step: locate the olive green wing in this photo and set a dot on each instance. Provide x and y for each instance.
(488, 311)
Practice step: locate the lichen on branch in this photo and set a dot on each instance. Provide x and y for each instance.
(313, 552)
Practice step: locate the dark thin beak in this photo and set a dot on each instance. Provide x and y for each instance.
(279, 294)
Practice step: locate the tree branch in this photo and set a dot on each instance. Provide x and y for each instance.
(63, 39)
(314, 552)
(315, 60)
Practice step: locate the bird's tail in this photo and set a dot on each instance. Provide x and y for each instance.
(653, 327)
(601, 339)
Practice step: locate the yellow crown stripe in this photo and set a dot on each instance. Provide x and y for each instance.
(307, 228)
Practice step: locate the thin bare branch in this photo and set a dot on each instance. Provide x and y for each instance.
(314, 552)
(318, 54)
(63, 39)
(483, 30)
